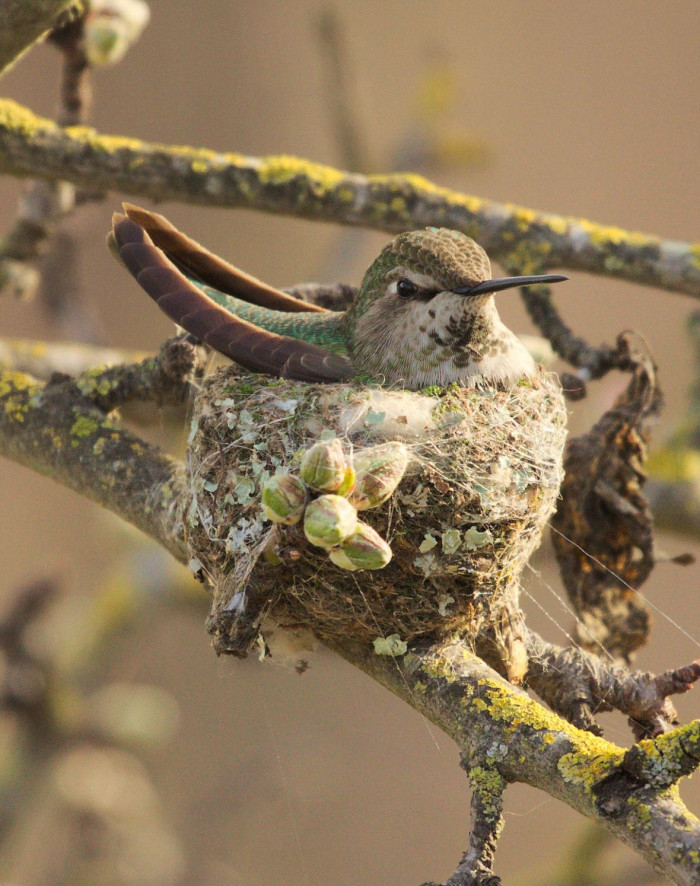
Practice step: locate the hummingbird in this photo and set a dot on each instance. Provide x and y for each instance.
(423, 315)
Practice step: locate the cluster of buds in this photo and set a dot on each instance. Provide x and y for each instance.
(329, 492)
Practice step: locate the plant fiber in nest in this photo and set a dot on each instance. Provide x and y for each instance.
(483, 477)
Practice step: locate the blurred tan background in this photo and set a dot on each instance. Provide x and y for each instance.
(582, 109)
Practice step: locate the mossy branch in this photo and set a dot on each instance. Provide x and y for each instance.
(23, 23)
(34, 147)
(500, 728)
(57, 430)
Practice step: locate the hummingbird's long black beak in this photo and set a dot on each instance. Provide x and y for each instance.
(508, 283)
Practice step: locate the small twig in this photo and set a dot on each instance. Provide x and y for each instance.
(592, 362)
(476, 866)
(165, 378)
(76, 87)
(577, 684)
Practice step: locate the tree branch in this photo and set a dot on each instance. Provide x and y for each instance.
(518, 740)
(578, 684)
(36, 147)
(55, 429)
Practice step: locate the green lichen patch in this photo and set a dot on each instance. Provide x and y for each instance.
(84, 427)
(94, 382)
(591, 760)
(282, 168)
(14, 390)
(16, 118)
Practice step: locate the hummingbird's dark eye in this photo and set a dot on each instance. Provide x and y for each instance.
(405, 288)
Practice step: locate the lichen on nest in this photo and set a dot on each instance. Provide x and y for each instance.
(483, 477)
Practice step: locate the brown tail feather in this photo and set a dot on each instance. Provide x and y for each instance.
(253, 348)
(194, 259)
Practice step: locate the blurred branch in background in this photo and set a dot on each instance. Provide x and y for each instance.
(75, 801)
(99, 37)
(674, 487)
(44, 203)
(585, 863)
(343, 111)
(41, 359)
(427, 141)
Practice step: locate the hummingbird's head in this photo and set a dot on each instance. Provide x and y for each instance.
(425, 314)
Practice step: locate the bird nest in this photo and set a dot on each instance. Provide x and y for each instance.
(483, 476)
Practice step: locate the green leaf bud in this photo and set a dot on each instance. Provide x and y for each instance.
(378, 471)
(284, 499)
(364, 549)
(323, 466)
(329, 520)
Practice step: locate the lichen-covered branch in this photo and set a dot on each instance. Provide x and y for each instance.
(23, 23)
(592, 362)
(162, 379)
(34, 147)
(55, 429)
(516, 738)
(488, 787)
